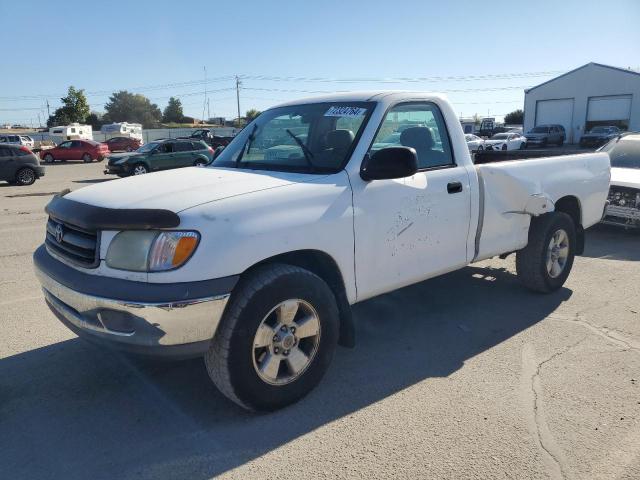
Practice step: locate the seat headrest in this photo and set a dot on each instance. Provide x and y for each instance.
(417, 137)
(339, 139)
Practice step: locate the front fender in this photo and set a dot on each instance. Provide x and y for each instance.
(240, 231)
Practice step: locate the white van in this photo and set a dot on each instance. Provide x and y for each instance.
(122, 129)
(74, 131)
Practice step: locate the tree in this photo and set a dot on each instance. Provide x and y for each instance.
(75, 108)
(173, 112)
(125, 106)
(514, 118)
(95, 120)
(251, 114)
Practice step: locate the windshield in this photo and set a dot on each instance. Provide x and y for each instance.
(314, 137)
(624, 152)
(540, 130)
(148, 147)
(500, 136)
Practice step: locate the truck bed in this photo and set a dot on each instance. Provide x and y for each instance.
(511, 191)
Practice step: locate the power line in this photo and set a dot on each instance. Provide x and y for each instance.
(455, 78)
(164, 86)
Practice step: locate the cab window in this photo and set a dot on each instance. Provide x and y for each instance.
(419, 126)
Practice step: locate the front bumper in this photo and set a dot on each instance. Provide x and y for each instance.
(177, 325)
(116, 169)
(39, 169)
(621, 216)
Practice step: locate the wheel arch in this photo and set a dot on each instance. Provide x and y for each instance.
(571, 206)
(324, 266)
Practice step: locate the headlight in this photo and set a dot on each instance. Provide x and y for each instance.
(151, 251)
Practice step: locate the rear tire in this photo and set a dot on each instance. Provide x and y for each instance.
(545, 263)
(239, 359)
(199, 163)
(86, 158)
(25, 176)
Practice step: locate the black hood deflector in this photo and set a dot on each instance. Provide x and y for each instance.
(92, 218)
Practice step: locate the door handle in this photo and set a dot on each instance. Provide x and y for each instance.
(454, 187)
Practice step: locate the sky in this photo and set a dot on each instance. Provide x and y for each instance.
(481, 54)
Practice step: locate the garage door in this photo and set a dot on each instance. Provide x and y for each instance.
(611, 110)
(556, 111)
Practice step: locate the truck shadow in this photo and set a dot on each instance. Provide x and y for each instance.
(71, 411)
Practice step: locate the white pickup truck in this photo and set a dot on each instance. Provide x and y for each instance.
(317, 204)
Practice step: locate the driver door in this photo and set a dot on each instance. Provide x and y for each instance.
(162, 157)
(410, 229)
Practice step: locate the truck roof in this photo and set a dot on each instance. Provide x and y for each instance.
(365, 96)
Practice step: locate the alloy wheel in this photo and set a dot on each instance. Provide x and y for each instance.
(286, 341)
(557, 253)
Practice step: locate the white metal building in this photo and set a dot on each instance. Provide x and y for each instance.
(581, 99)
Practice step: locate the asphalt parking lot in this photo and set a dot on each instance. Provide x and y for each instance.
(463, 376)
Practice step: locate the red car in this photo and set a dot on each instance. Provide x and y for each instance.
(123, 144)
(85, 150)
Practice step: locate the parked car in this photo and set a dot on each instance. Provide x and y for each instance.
(19, 165)
(24, 140)
(123, 144)
(623, 208)
(598, 136)
(205, 135)
(162, 155)
(506, 141)
(544, 135)
(85, 150)
(474, 142)
(254, 264)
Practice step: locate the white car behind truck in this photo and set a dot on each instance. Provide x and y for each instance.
(623, 208)
(254, 263)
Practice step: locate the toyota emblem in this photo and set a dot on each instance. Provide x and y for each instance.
(59, 233)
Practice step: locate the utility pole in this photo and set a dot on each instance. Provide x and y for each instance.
(204, 105)
(48, 112)
(238, 83)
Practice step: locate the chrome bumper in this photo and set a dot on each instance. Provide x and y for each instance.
(150, 326)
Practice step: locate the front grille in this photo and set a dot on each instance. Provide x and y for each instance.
(72, 243)
(624, 197)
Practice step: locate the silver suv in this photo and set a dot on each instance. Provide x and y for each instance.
(24, 140)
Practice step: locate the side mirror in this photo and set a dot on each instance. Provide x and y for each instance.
(389, 163)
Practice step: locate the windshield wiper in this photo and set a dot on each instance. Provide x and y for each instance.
(247, 144)
(305, 150)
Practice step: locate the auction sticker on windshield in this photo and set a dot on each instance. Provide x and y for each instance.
(345, 112)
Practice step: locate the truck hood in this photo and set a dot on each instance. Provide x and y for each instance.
(625, 177)
(179, 189)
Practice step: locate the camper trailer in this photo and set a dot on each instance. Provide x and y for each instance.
(74, 131)
(122, 129)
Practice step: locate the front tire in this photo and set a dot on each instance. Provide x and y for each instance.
(545, 263)
(140, 169)
(48, 158)
(200, 163)
(276, 339)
